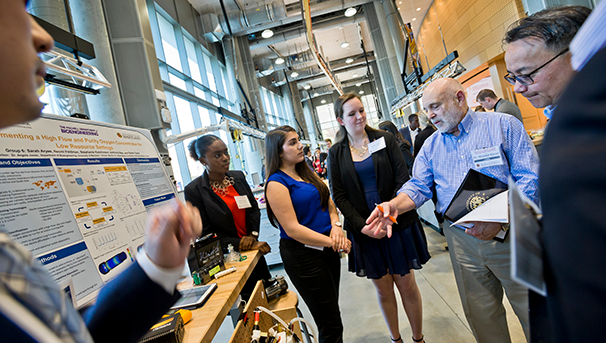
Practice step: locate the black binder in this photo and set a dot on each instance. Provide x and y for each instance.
(475, 189)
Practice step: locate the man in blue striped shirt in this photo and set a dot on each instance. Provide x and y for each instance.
(481, 264)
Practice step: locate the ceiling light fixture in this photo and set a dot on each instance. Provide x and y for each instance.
(350, 12)
(349, 60)
(294, 74)
(358, 84)
(418, 9)
(323, 101)
(361, 92)
(307, 87)
(355, 75)
(413, 19)
(316, 94)
(279, 60)
(345, 44)
(267, 33)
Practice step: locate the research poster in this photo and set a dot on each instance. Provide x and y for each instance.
(76, 193)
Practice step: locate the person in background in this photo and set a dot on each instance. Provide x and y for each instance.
(32, 306)
(410, 132)
(226, 203)
(299, 203)
(479, 108)
(490, 101)
(403, 144)
(327, 159)
(318, 165)
(308, 158)
(427, 129)
(361, 177)
(481, 265)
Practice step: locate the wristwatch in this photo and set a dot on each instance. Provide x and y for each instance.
(338, 224)
(255, 234)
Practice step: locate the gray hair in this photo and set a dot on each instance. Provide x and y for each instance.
(556, 27)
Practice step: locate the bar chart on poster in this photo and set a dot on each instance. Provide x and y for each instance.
(77, 193)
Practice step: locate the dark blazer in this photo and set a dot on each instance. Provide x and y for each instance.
(132, 291)
(408, 157)
(216, 216)
(406, 133)
(421, 137)
(391, 172)
(573, 188)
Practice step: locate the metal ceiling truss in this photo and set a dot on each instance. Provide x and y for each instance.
(451, 70)
(85, 78)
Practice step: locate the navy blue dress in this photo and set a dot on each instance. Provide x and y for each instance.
(375, 258)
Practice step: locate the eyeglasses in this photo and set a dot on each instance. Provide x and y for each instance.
(526, 79)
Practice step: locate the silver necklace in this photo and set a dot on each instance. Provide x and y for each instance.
(221, 187)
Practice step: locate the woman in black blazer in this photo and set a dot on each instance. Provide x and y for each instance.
(215, 194)
(366, 168)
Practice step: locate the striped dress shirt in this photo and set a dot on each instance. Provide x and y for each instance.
(445, 159)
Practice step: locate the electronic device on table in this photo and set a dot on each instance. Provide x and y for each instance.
(206, 257)
(194, 297)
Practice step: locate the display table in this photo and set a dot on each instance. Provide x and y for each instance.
(207, 319)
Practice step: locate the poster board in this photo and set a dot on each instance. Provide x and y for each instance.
(76, 193)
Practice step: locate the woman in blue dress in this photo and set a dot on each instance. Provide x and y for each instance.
(299, 203)
(367, 168)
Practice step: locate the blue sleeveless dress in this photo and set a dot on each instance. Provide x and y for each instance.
(375, 258)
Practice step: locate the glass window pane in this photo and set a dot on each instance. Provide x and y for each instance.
(216, 101)
(169, 43)
(172, 152)
(209, 73)
(227, 85)
(204, 116)
(192, 60)
(199, 93)
(177, 81)
(184, 116)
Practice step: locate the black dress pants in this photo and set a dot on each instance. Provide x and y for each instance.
(316, 274)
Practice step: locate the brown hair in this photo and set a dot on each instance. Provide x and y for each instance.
(274, 142)
(391, 128)
(486, 93)
(339, 113)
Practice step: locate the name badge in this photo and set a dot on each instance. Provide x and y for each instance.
(488, 157)
(376, 145)
(242, 202)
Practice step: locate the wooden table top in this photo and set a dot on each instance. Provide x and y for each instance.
(207, 319)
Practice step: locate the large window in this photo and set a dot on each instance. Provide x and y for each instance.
(169, 43)
(186, 64)
(277, 110)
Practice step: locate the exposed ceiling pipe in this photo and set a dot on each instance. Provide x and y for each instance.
(335, 70)
(299, 31)
(313, 47)
(293, 14)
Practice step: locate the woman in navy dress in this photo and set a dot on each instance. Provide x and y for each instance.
(299, 203)
(367, 168)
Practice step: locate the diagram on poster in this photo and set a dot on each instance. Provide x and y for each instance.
(77, 194)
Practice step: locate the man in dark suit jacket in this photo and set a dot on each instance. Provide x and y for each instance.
(410, 132)
(573, 188)
(32, 307)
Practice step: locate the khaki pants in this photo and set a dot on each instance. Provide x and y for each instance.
(482, 270)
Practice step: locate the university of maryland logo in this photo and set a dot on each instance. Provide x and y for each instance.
(475, 200)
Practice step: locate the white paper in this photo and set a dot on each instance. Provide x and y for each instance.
(242, 202)
(376, 145)
(494, 210)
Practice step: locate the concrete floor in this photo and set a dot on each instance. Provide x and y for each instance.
(443, 316)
